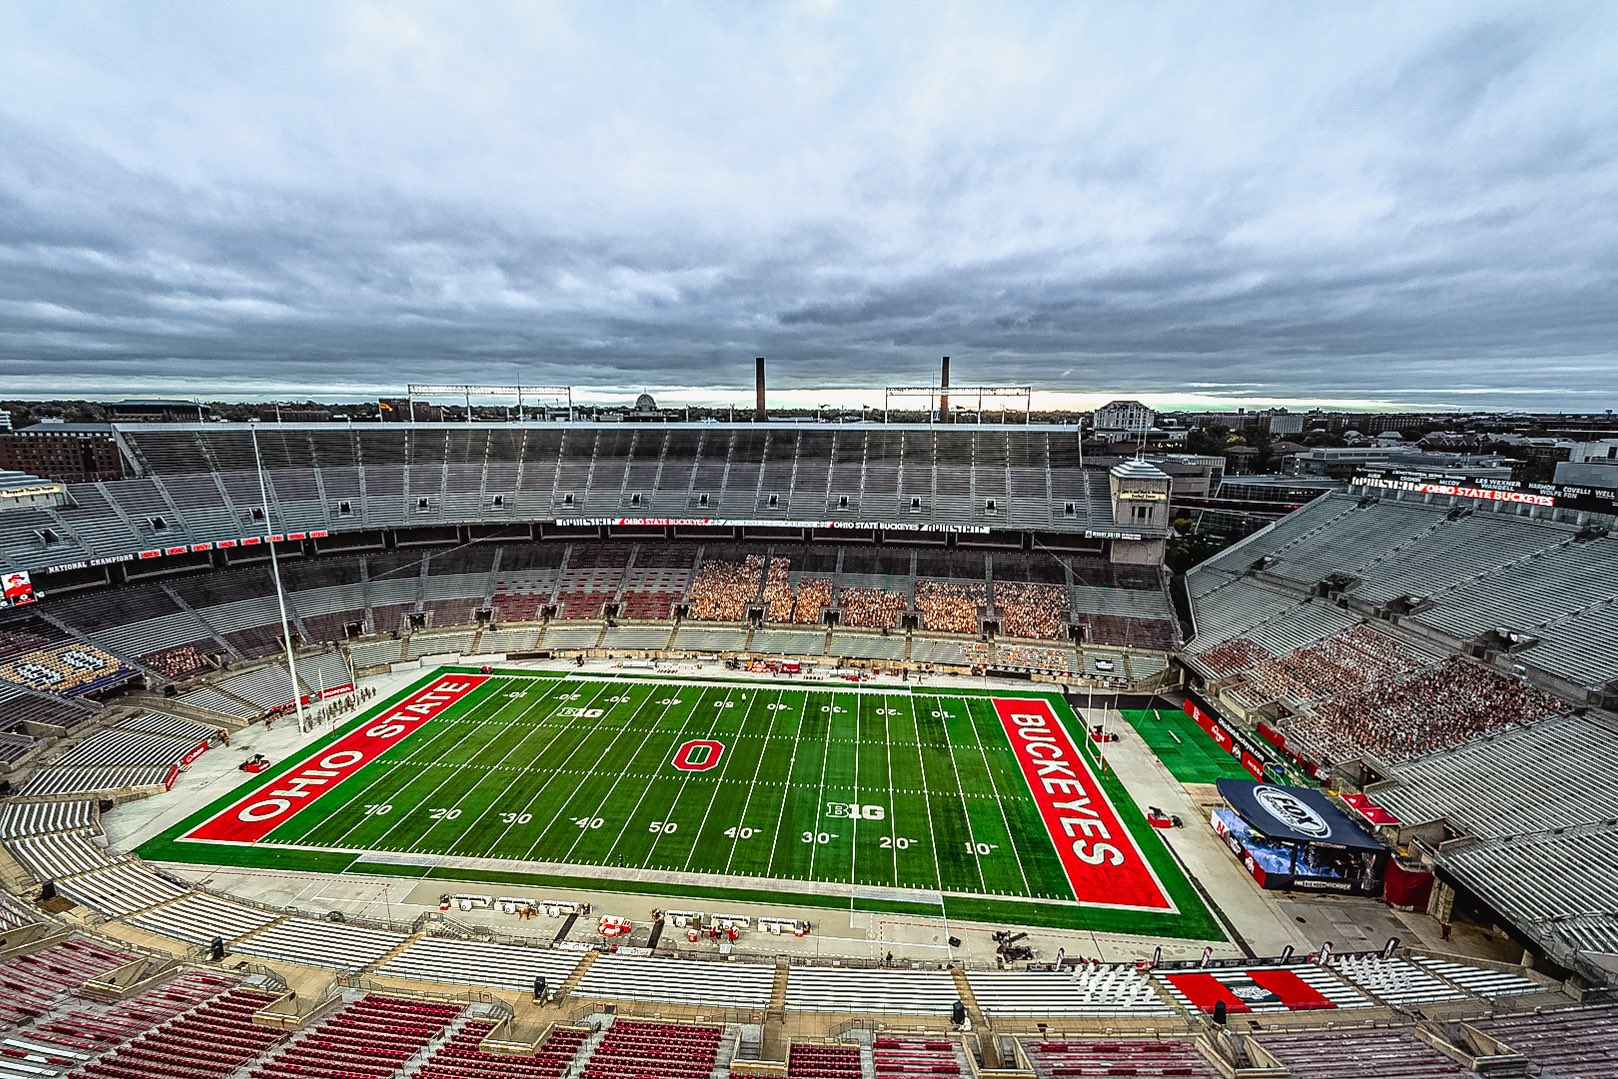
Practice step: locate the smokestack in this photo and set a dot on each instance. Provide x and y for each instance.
(758, 390)
(943, 396)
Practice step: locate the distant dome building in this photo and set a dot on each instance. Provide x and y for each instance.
(644, 403)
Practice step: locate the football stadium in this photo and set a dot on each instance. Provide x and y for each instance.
(617, 750)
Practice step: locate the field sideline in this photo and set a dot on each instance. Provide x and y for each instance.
(878, 798)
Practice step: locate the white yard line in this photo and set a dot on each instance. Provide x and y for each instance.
(645, 787)
(741, 821)
(787, 785)
(537, 727)
(820, 794)
(955, 767)
(927, 799)
(454, 771)
(1011, 836)
(446, 728)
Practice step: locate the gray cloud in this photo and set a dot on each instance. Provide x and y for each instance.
(1303, 203)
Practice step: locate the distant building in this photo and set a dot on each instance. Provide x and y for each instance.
(5, 420)
(1283, 422)
(65, 452)
(1124, 418)
(293, 414)
(1340, 462)
(157, 410)
(1591, 464)
(646, 411)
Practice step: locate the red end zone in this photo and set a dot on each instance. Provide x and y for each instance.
(261, 812)
(1098, 853)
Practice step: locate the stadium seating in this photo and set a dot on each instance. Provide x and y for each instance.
(321, 944)
(498, 966)
(1117, 1056)
(461, 1058)
(1392, 1054)
(1579, 1042)
(826, 989)
(646, 978)
(212, 1040)
(1090, 989)
(633, 1049)
(892, 1055)
(371, 1038)
(36, 982)
(811, 1061)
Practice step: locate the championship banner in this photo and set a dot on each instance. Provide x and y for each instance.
(261, 812)
(1098, 853)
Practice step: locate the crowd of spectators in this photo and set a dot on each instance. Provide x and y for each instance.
(873, 608)
(1236, 654)
(950, 606)
(1437, 708)
(178, 662)
(1031, 610)
(723, 590)
(803, 604)
(1338, 664)
(1036, 657)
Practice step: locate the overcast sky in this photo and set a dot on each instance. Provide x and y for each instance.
(1403, 203)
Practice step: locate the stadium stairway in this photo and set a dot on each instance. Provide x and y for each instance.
(572, 981)
(973, 1012)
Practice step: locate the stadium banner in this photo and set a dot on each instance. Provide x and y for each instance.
(1603, 500)
(1097, 851)
(19, 589)
(258, 814)
(762, 522)
(1225, 740)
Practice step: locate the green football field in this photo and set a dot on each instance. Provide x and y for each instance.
(1184, 748)
(860, 797)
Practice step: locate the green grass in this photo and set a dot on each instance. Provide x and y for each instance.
(896, 791)
(1185, 748)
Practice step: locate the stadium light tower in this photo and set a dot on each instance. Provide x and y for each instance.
(275, 575)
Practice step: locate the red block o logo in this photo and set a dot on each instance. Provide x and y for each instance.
(698, 755)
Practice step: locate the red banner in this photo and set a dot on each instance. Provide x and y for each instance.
(261, 812)
(194, 752)
(1098, 853)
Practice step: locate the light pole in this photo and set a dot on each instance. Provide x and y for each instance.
(275, 575)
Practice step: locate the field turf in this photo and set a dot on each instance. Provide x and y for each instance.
(893, 799)
(1184, 748)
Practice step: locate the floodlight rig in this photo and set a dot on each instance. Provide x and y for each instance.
(415, 390)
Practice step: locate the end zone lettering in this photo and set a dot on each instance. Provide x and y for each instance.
(1098, 854)
(261, 812)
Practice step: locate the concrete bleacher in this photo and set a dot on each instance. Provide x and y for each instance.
(828, 989)
(646, 978)
(119, 889)
(1114, 989)
(58, 780)
(59, 854)
(198, 917)
(498, 966)
(321, 944)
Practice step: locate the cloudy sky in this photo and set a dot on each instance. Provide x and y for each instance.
(1404, 203)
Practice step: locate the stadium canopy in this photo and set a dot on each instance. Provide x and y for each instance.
(1294, 815)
